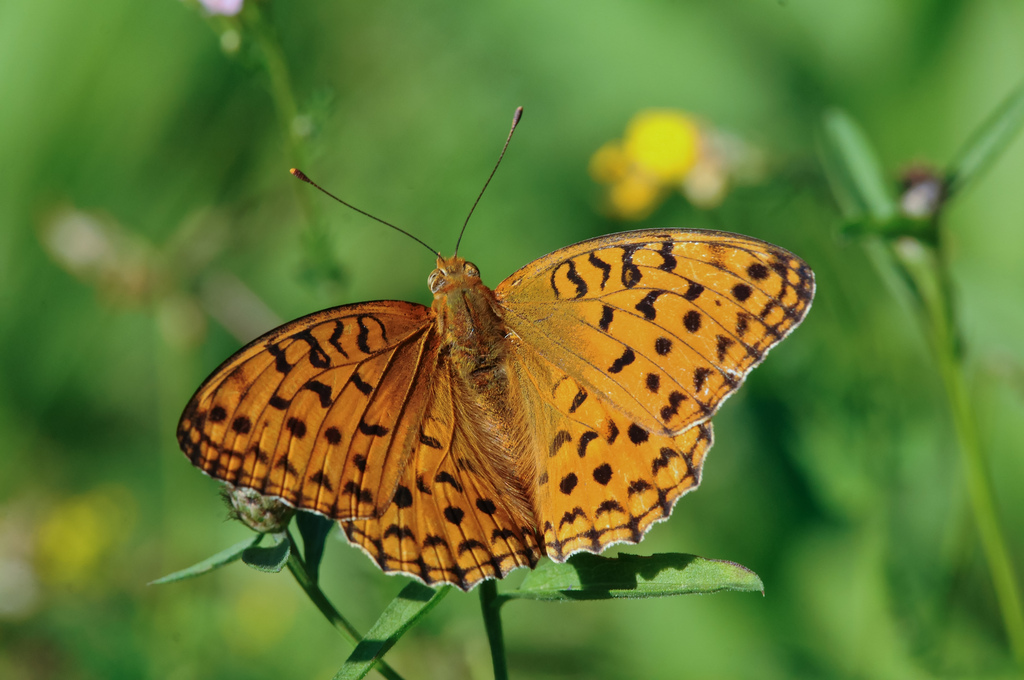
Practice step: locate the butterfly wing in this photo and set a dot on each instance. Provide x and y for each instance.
(664, 323)
(601, 478)
(450, 521)
(302, 411)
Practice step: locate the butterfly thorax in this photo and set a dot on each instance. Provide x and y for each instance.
(474, 342)
(471, 329)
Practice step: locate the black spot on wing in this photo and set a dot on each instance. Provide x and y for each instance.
(605, 268)
(581, 396)
(317, 356)
(444, 477)
(454, 515)
(296, 427)
(625, 360)
(637, 434)
(372, 430)
(638, 486)
(609, 506)
(630, 272)
(571, 516)
(700, 374)
(613, 432)
(320, 478)
(574, 277)
(669, 263)
(429, 441)
(741, 291)
(353, 489)
(693, 292)
(584, 442)
(403, 497)
(470, 544)
(280, 360)
(674, 400)
(360, 384)
(321, 390)
(692, 320)
(502, 535)
(335, 339)
(663, 459)
(399, 532)
(606, 318)
(723, 346)
(646, 306)
(757, 271)
(561, 437)
(363, 338)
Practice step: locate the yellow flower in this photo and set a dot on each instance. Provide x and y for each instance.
(665, 151)
(609, 164)
(634, 197)
(662, 143)
(78, 536)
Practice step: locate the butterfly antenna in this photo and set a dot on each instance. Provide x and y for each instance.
(515, 121)
(301, 175)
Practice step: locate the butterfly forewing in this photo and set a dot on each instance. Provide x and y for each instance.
(665, 323)
(299, 412)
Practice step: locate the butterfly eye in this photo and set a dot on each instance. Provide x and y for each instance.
(436, 280)
(472, 271)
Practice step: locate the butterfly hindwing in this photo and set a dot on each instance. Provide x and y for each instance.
(317, 412)
(666, 323)
(449, 522)
(602, 479)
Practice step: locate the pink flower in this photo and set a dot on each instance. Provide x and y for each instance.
(225, 7)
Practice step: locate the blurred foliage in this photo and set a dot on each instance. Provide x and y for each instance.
(149, 226)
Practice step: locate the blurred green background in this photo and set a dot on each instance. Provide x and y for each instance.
(148, 226)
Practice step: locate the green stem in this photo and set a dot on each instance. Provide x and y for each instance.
(933, 285)
(318, 252)
(347, 630)
(491, 603)
(280, 79)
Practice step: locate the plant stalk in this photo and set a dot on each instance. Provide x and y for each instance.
(347, 630)
(490, 604)
(932, 282)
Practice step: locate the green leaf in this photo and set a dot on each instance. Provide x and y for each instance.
(270, 559)
(990, 140)
(854, 171)
(211, 563)
(591, 577)
(314, 529)
(401, 614)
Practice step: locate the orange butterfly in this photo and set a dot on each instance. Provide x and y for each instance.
(566, 410)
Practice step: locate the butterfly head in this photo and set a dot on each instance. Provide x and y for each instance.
(451, 273)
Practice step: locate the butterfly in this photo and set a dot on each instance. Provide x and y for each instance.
(565, 410)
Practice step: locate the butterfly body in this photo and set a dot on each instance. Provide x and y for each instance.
(475, 344)
(565, 410)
